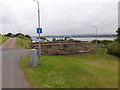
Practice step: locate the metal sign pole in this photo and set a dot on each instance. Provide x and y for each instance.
(39, 46)
(39, 50)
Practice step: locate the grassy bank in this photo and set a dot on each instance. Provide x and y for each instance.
(22, 43)
(91, 70)
(3, 39)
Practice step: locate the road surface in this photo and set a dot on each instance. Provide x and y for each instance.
(12, 75)
(9, 43)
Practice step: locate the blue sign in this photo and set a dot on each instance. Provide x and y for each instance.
(39, 30)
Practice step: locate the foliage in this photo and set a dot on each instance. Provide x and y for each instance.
(118, 35)
(3, 39)
(28, 36)
(71, 40)
(44, 38)
(91, 70)
(22, 43)
(113, 49)
(118, 32)
(23, 37)
(117, 40)
(54, 39)
(105, 42)
(9, 35)
(20, 35)
(77, 41)
(66, 38)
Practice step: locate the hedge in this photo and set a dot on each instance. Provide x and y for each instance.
(114, 49)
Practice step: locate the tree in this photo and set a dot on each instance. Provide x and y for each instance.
(19, 34)
(118, 35)
(28, 36)
(54, 39)
(118, 32)
(8, 35)
(66, 38)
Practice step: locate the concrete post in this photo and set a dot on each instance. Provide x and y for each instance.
(33, 57)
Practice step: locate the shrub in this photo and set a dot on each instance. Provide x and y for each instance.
(28, 36)
(113, 49)
(54, 39)
(117, 40)
(105, 42)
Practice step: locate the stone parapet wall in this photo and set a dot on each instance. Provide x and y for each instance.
(63, 48)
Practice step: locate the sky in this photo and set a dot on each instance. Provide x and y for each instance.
(59, 17)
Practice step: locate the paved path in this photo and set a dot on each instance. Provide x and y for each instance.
(9, 43)
(12, 76)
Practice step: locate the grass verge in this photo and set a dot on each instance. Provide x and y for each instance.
(91, 70)
(22, 43)
(3, 39)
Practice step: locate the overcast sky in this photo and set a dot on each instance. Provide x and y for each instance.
(59, 17)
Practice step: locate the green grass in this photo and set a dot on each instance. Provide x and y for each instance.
(22, 43)
(91, 70)
(3, 39)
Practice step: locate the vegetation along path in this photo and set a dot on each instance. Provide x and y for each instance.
(3, 38)
(91, 70)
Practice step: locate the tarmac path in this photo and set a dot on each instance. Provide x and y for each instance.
(12, 75)
(10, 43)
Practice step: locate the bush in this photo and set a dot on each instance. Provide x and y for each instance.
(105, 42)
(3, 39)
(23, 37)
(117, 40)
(28, 36)
(113, 49)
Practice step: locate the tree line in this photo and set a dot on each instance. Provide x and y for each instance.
(20, 35)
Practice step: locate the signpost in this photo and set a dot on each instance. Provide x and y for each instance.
(39, 30)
